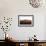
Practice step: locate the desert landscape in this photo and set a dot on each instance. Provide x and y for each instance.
(25, 22)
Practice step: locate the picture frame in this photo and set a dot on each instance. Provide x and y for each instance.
(25, 20)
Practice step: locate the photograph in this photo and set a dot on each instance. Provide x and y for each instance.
(25, 20)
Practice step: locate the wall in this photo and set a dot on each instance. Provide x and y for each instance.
(45, 29)
(13, 8)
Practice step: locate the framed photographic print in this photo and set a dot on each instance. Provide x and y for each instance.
(25, 20)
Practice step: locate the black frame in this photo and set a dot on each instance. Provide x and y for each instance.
(25, 25)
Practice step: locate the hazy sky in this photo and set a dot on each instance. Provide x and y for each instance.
(25, 17)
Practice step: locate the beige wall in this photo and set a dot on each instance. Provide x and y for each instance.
(13, 8)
